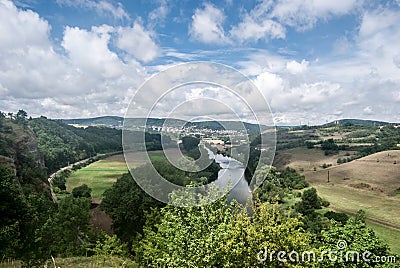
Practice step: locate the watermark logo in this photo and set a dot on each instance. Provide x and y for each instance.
(199, 91)
(340, 254)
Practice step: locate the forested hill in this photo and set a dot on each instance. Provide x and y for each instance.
(30, 149)
(61, 144)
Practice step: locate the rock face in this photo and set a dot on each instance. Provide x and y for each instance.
(19, 150)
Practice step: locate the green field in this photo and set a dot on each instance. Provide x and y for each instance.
(387, 234)
(99, 175)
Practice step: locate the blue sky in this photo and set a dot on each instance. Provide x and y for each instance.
(313, 60)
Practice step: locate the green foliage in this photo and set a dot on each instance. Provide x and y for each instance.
(61, 144)
(14, 213)
(277, 183)
(82, 191)
(337, 216)
(358, 238)
(292, 179)
(68, 232)
(309, 202)
(191, 146)
(309, 144)
(127, 204)
(60, 179)
(272, 189)
(325, 165)
(153, 141)
(218, 235)
(329, 146)
(111, 246)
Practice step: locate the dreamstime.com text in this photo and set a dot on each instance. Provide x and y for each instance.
(335, 255)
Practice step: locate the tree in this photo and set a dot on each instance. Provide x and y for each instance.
(14, 214)
(309, 202)
(354, 236)
(21, 114)
(82, 191)
(218, 235)
(69, 231)
(127, 204)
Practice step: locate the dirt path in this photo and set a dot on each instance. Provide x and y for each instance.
(51, 177)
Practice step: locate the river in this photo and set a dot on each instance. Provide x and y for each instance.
(232, 174)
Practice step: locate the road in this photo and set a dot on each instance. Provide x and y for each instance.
(51, 177)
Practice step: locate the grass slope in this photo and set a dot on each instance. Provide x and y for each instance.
(99, 175)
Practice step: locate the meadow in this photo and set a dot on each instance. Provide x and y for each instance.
(370, 183)
(99, 175)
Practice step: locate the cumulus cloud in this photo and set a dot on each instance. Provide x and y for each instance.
(267, 20)
(88, 51)
(251, 30)
(88, 79)
(295, 67)
(303, 15)
(101, 7)
(207, 25)
(138, 42)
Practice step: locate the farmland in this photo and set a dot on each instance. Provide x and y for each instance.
(99, 175)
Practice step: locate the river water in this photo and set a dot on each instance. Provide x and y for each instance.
(231, 174)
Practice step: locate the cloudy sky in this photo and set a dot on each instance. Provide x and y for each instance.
(313, 60)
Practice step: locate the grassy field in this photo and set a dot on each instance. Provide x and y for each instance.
(389, 235)
(305, 160)
(99, 175)
(369, 183)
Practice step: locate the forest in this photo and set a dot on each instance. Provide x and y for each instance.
(285, 215)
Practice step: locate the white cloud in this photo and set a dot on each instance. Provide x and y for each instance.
(368, 110)
(374, 22)
(21, 28)
(396, 60)
(88, 51)
(250, 30)
(158, 15)
(303, 15)
(269, 84)
(295, 67)
(207, 25)
(138, 42)
(101, 7)
(88, 80)
(257, 24)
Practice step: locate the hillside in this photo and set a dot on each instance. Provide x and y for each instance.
(24, 192)
(360, 122)
(31, 225)
(61, 144)
(118, 122)
(378, 173)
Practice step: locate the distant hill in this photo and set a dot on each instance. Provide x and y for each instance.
(357, 122)
(96, 121)
(117, 122)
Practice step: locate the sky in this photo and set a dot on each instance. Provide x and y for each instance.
(314, 61)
